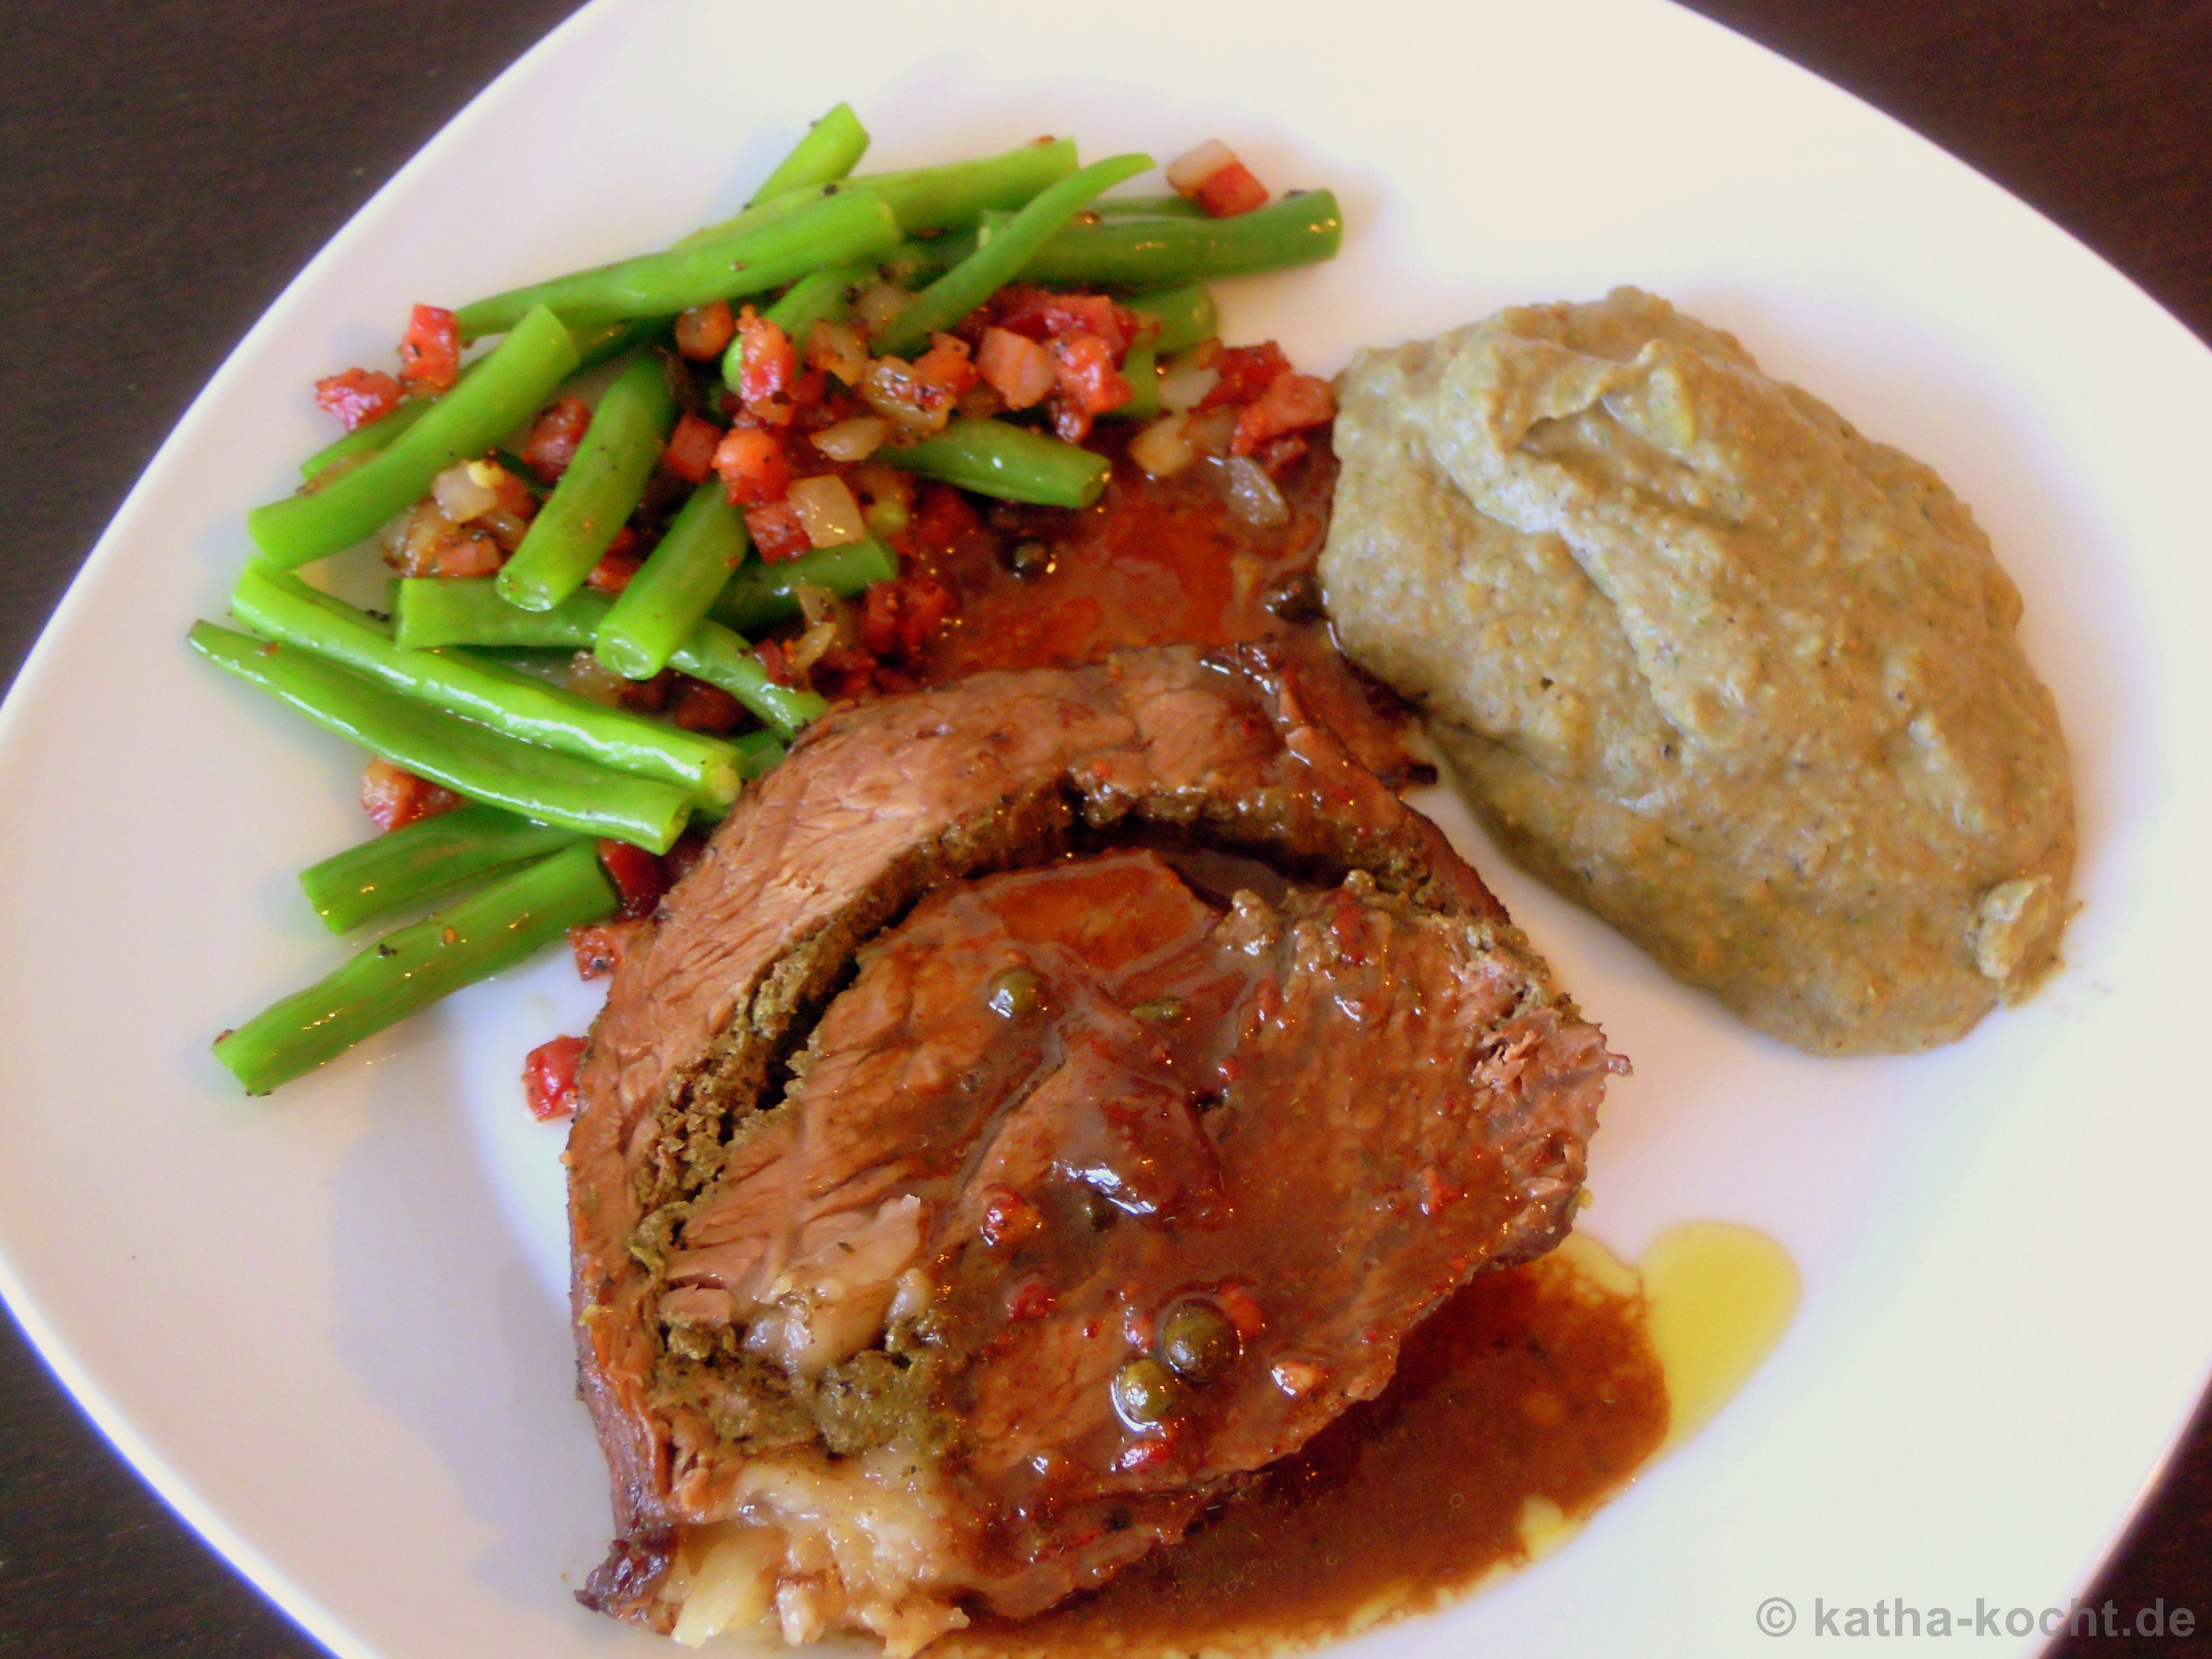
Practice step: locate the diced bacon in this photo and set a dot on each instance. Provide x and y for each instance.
(946, 365)
(773, 661)
(1278, 456)
(754, 468)
(357, 396)
(704, 331)
(675, 863)
(599, 948)
(1009, 1219)
(1089, 383)
(1291, 403)
(1039, 313)
(430, 351)
(689, 452)
(943, 518)
(636, 874)
(899, 616)
(468, 556)
(699, 706)
(1019, 369)
(615, 571)
(777, 530)
(1246, 372)
(879, 628)
(770, 362)
(394, 798)
(549, 1078)
(554, 436)
(1211, 176)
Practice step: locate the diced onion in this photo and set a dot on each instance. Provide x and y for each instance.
(854, 439)
(733, 1586)
(1185, 382)
(828, 511)
(1163, 448)
(462, 493)
(809, 648)
(839, 348)
(1253, 496)
(877, 305)
(1195, 167)
(1210, 431)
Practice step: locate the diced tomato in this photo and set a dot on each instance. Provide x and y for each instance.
(675, 863)
(394, 798)
(554, 436)
(1009, 1218)
(699, 706)
(599, 948)
(776, 532)
(924, 603)
(636, 874)
(943, 518)
(1246, 372)
(880, 615)
(689, 452)
(467, 556)
(704, 331)
(549, 1078)
(753, 465)
(1090, 385)
(357, 396)
(808, 389)
(946, 365)
(1290, 404)
(770, 362)
(430, 352)
(1229, 191)
(1016, 367)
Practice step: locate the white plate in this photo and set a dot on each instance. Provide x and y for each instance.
(330, 1327)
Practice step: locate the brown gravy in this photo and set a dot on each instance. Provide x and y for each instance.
(1531, 1397)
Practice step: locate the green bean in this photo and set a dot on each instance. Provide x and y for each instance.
(1141, 369)
(520, 706)
(1186, 315)
(448, 612)
(600, 490)
(666, 598)
(504, 390)
(410, 970)
(1148, 207)
(407, 866)
(378, 433)
(955, 196)
(767, 253)
(469, 759)
(1013, 463)
(762, 751)
(926, 258)
(1154, 254)
(831, 147)
(826, 296)
(999, 259)
(762, 594)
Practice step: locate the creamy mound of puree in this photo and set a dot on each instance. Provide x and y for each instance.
(1706, 659)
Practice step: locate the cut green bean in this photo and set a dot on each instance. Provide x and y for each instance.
(502, 393)
(1154, 254)
(924, 259)
(469, 759)
(1186, 315)
(763, 751)
(375, 435)
(955, 196)
(1013, 463)
(716, 655)
(778, 248)
(669, 596)
(762, 594)
(471, 613)
(999, 260)
(413, 865)
(520, 706)
(831, 147)
(1141, 368)
(408, 970)
(826, 296)
(1148, 207)
(597, 493)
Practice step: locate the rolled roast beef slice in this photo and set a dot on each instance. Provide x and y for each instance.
(691, 1203)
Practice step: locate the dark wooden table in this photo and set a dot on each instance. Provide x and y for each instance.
(166, 165)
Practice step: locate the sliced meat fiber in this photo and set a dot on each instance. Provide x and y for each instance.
(859, 1251)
